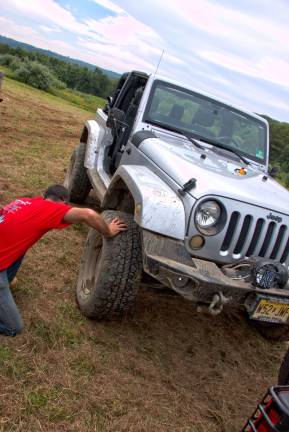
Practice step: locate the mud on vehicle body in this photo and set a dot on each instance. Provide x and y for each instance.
(191, 173)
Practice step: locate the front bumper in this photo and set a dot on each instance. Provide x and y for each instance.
(168, 261)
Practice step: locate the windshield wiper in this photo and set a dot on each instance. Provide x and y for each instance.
(206, 140)
(172, 129)
(193, 141)
(224, 147)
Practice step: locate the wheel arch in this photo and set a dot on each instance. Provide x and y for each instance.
(119, 197)
(84, 135)
(156, 207)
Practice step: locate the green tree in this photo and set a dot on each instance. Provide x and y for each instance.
(37, 75)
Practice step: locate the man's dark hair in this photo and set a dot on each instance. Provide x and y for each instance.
(57, 193)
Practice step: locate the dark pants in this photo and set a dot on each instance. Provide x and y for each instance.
(11, 322)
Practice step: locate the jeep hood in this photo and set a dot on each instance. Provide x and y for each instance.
(215, 174)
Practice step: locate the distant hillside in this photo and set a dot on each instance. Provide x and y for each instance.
(14, 43)
(40, 70)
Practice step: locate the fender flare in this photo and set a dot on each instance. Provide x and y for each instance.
(94, 136)
(157, 207)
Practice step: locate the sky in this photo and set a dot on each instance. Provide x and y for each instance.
(234, 49)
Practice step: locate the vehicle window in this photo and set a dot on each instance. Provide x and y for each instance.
(248, 136)
(173, 106)
(206, 118)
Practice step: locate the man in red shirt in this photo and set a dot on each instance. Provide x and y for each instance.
(22, 223)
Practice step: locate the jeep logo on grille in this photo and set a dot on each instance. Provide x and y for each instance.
(274, 218)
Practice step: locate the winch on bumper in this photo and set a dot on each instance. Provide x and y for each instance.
(202, 281)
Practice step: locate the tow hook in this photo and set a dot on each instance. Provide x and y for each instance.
(217, 304)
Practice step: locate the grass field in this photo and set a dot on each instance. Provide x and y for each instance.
(82, 100)
(166, 368)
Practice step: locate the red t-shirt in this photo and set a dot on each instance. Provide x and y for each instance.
(23, 222)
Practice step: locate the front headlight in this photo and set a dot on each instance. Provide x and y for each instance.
(208, 216)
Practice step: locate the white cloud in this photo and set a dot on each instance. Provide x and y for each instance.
(131, 30)
(138, 42)
(212, 28)
(15, 30)
(110, 55)
(136, 47)
(30, 36)
(219, 21)
(267, 68)
(47, 29)
(110, 6)
(97, 53)
(46, 13)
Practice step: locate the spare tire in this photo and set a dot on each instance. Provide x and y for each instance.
(110, 270)
(76, 179)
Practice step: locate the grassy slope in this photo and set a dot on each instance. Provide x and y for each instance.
(82, 100)
(166, 368)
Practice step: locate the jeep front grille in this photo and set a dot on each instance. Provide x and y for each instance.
(247, 236)
(247, 232)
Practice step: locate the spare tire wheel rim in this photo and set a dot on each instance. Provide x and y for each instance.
(91, 267)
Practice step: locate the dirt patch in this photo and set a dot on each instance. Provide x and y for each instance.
(165, 368)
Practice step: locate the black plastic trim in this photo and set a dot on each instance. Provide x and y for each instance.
(140, 136)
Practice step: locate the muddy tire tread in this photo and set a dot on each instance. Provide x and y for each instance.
(79, 183)
(121, 265)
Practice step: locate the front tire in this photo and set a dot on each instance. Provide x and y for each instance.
(110, 271)
(273, 332)
(76, 179)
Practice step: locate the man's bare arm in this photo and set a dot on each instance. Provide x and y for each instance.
(94, 220)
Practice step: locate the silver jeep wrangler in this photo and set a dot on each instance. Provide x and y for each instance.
(188, 173)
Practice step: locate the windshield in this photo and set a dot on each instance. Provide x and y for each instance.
(204, 118)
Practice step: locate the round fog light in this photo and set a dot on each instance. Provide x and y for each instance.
(197, 242)
(269, 274)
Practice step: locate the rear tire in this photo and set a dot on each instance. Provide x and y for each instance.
(283, 376)
(110, 271)
(273, 332)
(76, 179)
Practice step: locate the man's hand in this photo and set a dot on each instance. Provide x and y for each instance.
(115, 227)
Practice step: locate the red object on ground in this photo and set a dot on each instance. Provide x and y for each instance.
(261, 424)
(23, 222)
(272, 414)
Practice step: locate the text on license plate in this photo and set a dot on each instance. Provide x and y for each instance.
(268, 310)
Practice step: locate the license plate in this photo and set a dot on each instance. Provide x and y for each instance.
(271, 310)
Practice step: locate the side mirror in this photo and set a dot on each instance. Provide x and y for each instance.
(273, 172)
(115, 118)
(108, 104)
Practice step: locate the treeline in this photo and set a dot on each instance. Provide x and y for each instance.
(279, 148)
(47, 72)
